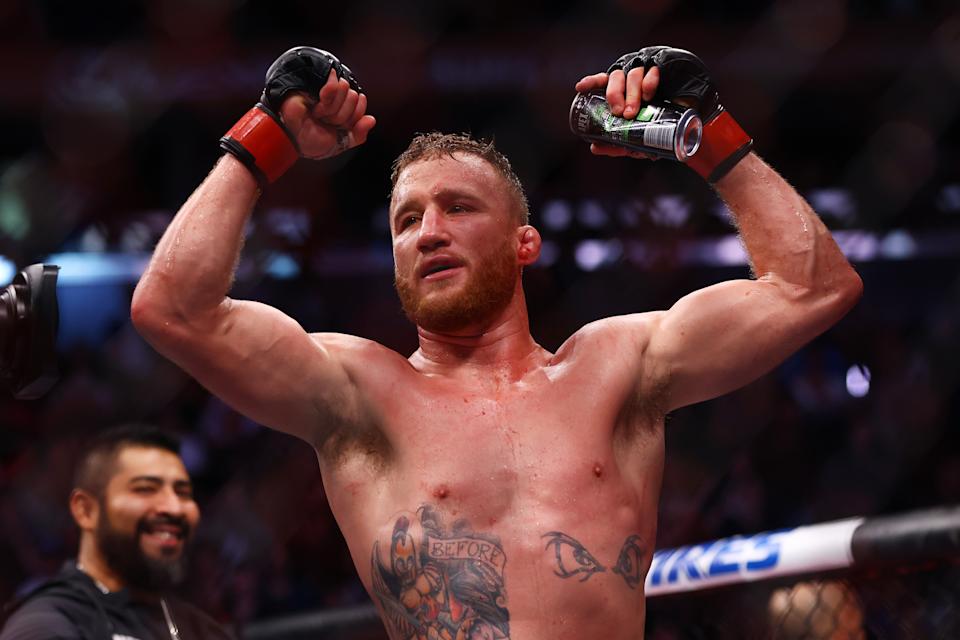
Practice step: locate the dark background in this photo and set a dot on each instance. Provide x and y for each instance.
(109, 118)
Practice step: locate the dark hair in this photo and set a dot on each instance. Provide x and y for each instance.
(96, 464)
(426, 146)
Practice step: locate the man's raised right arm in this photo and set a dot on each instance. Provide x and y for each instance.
(253, 356)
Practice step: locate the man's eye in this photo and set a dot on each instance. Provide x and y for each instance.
(458, 208)
(145, 489)
(406, 221)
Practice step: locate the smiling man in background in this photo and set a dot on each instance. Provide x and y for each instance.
(133, 502)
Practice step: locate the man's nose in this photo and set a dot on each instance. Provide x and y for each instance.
(169, 501)
(433, 232)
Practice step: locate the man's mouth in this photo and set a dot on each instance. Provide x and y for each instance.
(164, 533)
(433, 268)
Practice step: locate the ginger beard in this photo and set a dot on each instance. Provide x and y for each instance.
(450, 305)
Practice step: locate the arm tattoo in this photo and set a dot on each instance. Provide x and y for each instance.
(630, 560)
(446, 584)
(573, 559)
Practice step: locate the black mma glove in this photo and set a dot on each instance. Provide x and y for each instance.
(259, 139)
(684, 76)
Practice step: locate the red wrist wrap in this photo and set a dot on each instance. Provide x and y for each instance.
(262, 143)
(723, 145)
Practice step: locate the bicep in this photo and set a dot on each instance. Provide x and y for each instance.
(264, 364)
(722, 337)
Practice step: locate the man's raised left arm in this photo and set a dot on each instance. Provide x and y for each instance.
(722, 337)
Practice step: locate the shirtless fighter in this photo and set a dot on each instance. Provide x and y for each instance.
(486, 487)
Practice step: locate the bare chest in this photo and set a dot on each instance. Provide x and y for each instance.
(527, 485)
(507, 451)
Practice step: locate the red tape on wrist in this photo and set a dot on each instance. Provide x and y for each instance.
(261, 143)
(723, 145)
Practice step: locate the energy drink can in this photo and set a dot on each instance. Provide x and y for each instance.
(662, 130)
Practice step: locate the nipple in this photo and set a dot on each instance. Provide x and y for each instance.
(598, 469)
(441, 492)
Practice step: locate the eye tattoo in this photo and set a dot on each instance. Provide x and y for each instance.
(628, 564)
(572, 557)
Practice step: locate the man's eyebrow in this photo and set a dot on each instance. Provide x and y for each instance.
(455, 193)
(446, 194)
(147, 478)
(158, 480)
(402, 205)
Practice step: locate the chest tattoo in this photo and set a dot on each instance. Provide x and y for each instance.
(572, 560)
(440, 582)
(629, 564)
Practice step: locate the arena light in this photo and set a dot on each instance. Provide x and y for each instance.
(729, 251)
(7, 270)
(282, 266)
(858, 381)
(833, 203)
(671, 211)
(291, 223)
(722, 211)
(556, 215)
(593, 254)
(859, 246)
(898, 245)
(592, 215)
(590, 254)
(94, 268)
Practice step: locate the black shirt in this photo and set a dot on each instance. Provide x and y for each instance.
(71, 607)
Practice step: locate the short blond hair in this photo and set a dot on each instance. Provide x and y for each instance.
(426, 146)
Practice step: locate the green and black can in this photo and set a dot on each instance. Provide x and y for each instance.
(663, 130)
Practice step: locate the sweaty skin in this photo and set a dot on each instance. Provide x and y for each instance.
(486, 487)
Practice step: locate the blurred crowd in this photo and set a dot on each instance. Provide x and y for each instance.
(108, 124)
